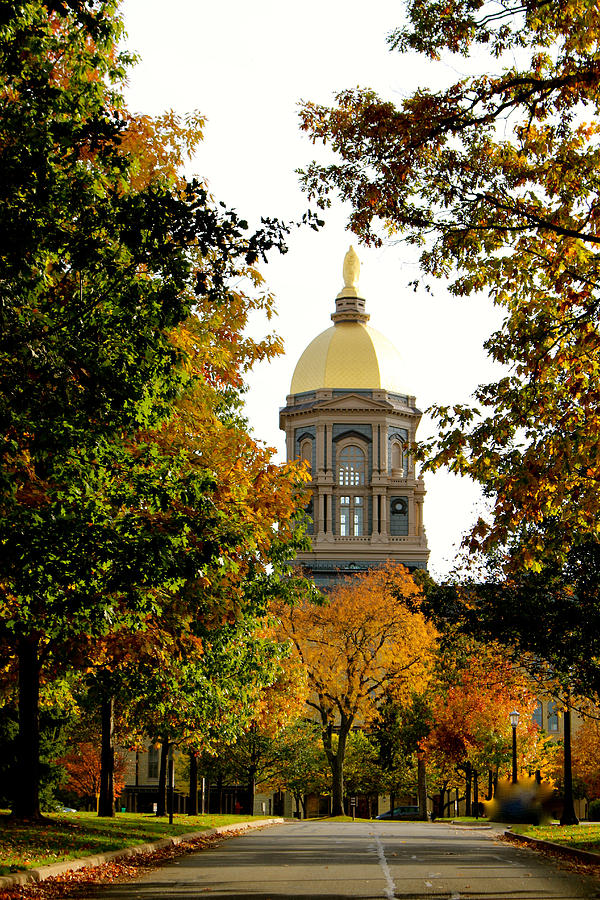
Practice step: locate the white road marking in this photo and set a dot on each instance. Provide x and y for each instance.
(454, 896)
(390, 887)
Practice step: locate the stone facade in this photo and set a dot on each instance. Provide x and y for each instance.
(367, 500)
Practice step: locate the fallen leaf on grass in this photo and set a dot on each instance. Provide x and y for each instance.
(75, 883)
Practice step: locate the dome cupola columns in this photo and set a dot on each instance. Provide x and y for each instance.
(349, 307)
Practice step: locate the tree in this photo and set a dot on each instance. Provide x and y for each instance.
(470, 720)
(83, 766)
(58, 716)
(190, 690)
(508, 610)
(299, 763)
(105, 251)
(496, 176)
(585, 752)
(362, 769)
(211, 646)
(367, 639)
(399, 729)
(254, 754)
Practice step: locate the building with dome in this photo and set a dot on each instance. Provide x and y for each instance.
(348, 414)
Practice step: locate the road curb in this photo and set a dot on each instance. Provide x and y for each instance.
(84, 862)
(559, 849)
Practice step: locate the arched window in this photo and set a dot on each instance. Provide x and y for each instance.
(396, 456)
(351, 466)
(306, 452)
(552, 716)
(537, 715)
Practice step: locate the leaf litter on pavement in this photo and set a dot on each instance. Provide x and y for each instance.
(77, 883)
(559, 855)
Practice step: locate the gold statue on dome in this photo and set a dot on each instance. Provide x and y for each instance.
(351, 268)
(351, 272)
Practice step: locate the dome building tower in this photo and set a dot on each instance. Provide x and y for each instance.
(349, 417)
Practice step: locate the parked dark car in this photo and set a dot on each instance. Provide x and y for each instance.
(401, 812)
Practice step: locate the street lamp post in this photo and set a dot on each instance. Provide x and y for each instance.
(171, 778)
(514, 721)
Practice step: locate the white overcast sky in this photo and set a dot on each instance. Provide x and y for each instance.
(245, 66)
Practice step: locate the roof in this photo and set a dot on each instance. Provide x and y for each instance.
(349, 355)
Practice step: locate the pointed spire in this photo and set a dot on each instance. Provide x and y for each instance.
(349, 307)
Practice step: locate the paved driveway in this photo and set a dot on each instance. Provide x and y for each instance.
(378, 860)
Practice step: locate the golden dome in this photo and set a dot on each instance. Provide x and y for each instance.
(350, 355)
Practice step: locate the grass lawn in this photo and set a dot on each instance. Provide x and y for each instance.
(585, 836)
(464, 820)
(328, 819)
(72, 835)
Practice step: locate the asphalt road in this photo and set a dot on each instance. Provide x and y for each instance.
(378, 860)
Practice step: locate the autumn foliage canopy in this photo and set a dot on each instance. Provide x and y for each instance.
(494, 177)
(368, 639)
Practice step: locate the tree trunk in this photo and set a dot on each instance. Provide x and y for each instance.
(476, 792)
(337, 787)
(193, 799)
(251, 789)
(422, 786)
(441, 803)
(392, 804)
(27, 788)
(161, 806)
(336, 762)
(490, 792)
(106, 800)
(468, 810)
(170, 784)
(220, 791)
(568, 816)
